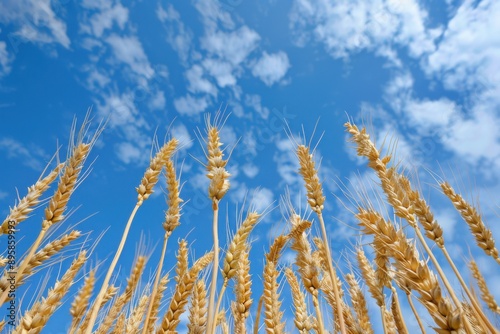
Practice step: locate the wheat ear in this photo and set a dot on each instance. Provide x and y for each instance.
(301, 317)
(153, 316)
(21, 211)
(35, 319)
(233, 253)
(144, 190)
(486, 295)
(181, 295)
(306, 264)
(483, 235)
(198, 311)
(243, 292)
(374, 285)
(272, 304)
(81, 301)
(121, 324)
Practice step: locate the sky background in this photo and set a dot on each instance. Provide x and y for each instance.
(422, 74)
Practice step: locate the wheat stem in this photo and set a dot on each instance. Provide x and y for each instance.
(155, 284)
(340, 315)
(107, 278)
(215, 271)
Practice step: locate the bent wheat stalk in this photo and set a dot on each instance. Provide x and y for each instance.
(144, 190)
(316, 199)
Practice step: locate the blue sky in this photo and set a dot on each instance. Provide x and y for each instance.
(423, 73)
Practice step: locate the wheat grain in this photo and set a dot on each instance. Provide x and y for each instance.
(150, 178)
(359, 304)
(483, 235)
(486, 295)
(35, 319)
(181, 295)
(198, 311)
(81, 301)
(243, 292)
(26, 205)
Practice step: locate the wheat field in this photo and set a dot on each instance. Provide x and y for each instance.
(406, 261)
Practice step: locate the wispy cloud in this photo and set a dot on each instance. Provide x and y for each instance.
(271, 68)
(35, 21)
(105, 18)
(5, 59)
(346, 26)
(30, 155)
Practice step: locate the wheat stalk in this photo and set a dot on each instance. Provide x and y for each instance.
(144, 190)
(316, 200)
(125, 297)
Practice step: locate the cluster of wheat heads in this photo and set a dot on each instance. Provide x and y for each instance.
(323, 299)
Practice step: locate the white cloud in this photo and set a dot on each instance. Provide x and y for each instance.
(287, 164)
(254, 101)
(5, 59)
(271, 68)
(233, 47)
(468, 55)
(128, 50)
(261, 199)
(178, 36)
(104, 19)
(97, 78)
(399, 90)
(347, 26)
(198, 83)
(228, 136)
(119, 108)
(123, 117)
(249, 143)
(428, 114)
(222, 71)
(190, 105)
(213, 14)
(35, 20)
(250, 170)
(476, 139)
(129, 153)
(157, 101)
(31, 155)
(3, 195)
